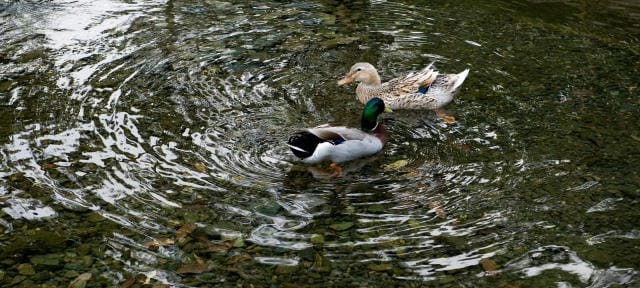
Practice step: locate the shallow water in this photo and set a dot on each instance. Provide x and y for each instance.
(143, 143)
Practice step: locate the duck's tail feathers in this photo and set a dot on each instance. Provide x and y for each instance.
(459, 79)
(429, 69)
(303, 143)
(430, 65)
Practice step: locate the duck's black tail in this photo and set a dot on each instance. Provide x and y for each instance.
(303, 143)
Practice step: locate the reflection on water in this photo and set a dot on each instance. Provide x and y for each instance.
(143, 143)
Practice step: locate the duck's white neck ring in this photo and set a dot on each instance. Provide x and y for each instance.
(375, 127)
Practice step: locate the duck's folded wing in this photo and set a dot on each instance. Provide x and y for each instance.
(328, 132)
(410, 84)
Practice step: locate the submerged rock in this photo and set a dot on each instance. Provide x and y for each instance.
(71, 274)
(46, 259)
(376, 208)
(341, 226)
(49, 240)
(80, 281)
(380, 267)
(317, 239)
(95, 217)
(26, 269)
(396, 165)
(286, 269)
(238, 242)
(17, 280)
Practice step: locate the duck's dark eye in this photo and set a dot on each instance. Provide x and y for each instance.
(359, 69)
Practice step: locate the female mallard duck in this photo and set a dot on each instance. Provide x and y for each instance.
(426, 89)
(340, 143)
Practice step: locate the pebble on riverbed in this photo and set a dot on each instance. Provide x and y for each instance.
(26, 269)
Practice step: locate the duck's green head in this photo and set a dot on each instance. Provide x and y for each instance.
(372, 109)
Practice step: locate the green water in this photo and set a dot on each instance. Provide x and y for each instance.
(142, 145)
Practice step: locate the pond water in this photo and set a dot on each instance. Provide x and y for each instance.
(142, 145)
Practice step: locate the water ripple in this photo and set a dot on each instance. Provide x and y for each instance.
(160, 126)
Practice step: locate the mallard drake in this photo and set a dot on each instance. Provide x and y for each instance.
(341, 143)
(426, 89)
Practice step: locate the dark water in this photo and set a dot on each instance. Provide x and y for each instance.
(141, 144)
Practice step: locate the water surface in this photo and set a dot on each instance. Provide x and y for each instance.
(142, 142)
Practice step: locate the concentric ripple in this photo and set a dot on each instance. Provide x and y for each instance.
(148, 137)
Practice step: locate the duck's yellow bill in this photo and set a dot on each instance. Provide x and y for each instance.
(387, 110)
(346, 80)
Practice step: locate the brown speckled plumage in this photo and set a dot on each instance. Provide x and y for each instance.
(406, 92)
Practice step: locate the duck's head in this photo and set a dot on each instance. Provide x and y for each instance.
(371, 111)
(361, 72)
